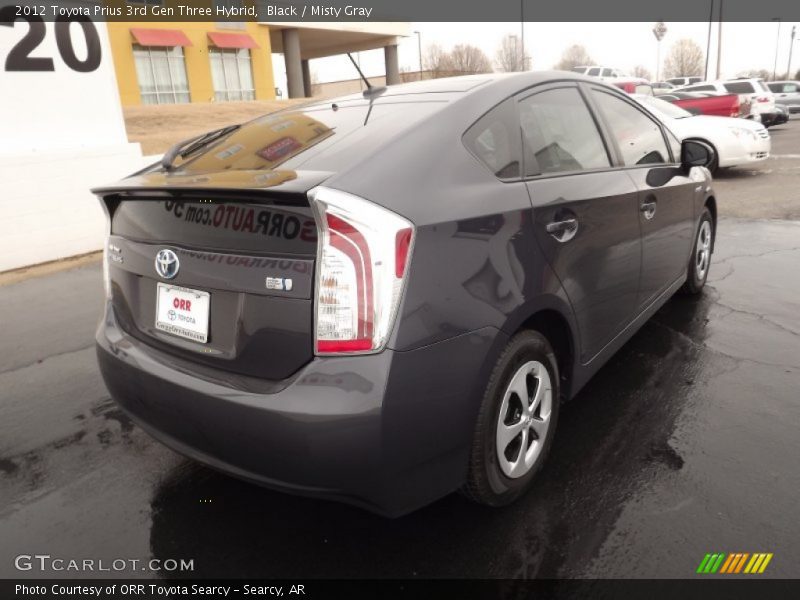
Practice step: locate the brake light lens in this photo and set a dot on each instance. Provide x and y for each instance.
(762, 99)
(362, 264)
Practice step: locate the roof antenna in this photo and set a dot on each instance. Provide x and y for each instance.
(371, 89)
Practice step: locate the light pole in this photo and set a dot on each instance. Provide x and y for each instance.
(791, 47)
(708, 42)
(719, 40)
(419, 48)
(659, 31)
(516, 49)
(777, 45)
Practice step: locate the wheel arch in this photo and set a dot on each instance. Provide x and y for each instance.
(711, 205)
(555, 324)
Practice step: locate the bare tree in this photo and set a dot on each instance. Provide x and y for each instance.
(685, 59)
(643, 72)
(437, 62)
(466, 58)
(574, 56)
(510, 56)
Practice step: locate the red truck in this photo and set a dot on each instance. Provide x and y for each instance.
(728, 105)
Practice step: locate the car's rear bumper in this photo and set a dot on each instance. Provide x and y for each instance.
(389, 432)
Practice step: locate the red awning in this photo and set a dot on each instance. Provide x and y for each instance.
(232, 40)
(160, 37)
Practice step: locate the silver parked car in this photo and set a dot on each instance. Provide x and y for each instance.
(787, 94)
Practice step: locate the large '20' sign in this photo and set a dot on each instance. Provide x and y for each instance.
(20, 59)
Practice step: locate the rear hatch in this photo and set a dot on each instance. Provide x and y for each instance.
(224, 280)
(233, 219)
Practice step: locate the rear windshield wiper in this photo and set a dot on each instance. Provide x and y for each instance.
(187, 147)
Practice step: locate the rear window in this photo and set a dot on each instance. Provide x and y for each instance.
(739, 87)
(319, 138)
(218, 225)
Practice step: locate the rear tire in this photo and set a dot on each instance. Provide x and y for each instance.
(700, 260)
(516, 422)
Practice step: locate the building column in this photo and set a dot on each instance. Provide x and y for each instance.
(392, 64)
(294, 67)
(307, 79)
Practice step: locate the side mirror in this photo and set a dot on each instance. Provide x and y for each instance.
(696, 154)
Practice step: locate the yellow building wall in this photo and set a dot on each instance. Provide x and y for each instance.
(198, 68)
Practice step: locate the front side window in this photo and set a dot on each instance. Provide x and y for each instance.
(608, 73)
(594, 72)
(232, 74)
(161, 72)
(639, 137)
(559, 133)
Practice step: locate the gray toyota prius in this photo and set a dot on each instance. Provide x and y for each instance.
(385, 297)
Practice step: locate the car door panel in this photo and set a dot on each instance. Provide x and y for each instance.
(584, 212)
(599, 265)
(665, 210)
(666, 217)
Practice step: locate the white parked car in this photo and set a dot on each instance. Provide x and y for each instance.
(680, 81)
(736, 141)
(755, 91)
(608, 74)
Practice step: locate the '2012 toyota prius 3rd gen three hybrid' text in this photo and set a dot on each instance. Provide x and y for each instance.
(383, 298)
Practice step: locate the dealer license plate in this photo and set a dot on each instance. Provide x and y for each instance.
(183, 312)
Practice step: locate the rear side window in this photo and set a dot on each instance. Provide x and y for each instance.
(494, 139)
(608, 73)
(594, 72)
(559, 133)
(639, 137)
(739, 87)
(700, 88)
(695, 79)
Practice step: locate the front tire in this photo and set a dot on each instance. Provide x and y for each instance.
(516, 421)
(700, 260)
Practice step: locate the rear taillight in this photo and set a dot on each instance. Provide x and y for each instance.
(362, 263)
(762, 99)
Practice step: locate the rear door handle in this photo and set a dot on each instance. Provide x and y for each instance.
(563, 231)
(648, 208)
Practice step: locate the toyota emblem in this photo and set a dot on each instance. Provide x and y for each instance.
(167, 263)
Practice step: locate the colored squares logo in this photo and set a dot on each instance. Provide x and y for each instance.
(735, 563)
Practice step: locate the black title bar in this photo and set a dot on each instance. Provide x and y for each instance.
(403, 10)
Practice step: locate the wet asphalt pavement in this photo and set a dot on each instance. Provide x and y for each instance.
(686, 442)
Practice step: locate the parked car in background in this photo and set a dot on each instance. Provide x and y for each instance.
(599, 71)
(762, 100)
(787, 93)
(697, 103)
(385, 298)
(681, 81)
(781, 115)
(735, 141)
(661, 87)
(633, 85)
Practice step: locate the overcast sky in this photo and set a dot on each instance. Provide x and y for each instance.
(622, 45)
